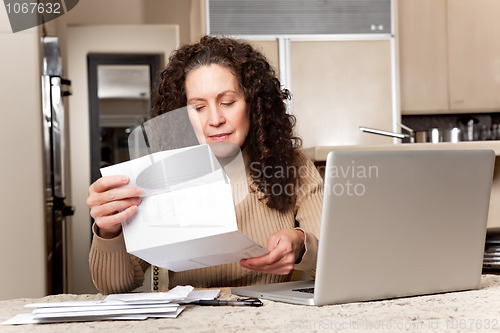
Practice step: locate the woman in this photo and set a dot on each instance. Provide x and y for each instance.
(239, 101)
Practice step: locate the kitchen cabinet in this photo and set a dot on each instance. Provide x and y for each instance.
(474, 55)
(338, 86)
(449, 56)
(423, 56)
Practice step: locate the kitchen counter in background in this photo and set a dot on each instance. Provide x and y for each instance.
(319, 153)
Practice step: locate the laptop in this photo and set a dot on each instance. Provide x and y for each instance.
(396, 224)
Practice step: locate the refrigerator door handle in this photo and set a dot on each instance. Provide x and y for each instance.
(65, 210)
(66, 82)
(68, 210)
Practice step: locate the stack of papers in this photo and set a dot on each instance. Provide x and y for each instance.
(133, 306)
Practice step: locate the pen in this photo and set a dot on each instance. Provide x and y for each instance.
(242, 302)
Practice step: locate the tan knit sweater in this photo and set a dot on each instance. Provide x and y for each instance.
(116, 271)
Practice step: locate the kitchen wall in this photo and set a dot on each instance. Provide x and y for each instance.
(109, 26)
(160, 39)
(22, 238)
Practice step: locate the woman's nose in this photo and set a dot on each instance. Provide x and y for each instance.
(215, 117)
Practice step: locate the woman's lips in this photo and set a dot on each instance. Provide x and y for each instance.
(219, 137)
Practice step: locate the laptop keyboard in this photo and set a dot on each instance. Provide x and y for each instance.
(305, 290)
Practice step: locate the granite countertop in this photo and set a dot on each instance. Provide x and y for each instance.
(466, 311)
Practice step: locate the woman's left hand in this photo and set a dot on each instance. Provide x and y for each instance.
(285, 247)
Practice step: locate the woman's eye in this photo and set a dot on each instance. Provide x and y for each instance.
(199, 108)
(228, 103)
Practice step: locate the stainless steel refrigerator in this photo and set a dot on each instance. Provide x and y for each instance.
(54, 89)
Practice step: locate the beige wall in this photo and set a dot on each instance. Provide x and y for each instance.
(198, 22)
(82, 40)
(97, 16)
(106, 12)
(171, 12)
(22, 239)
(184, 13)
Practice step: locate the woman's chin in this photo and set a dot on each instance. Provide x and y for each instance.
(224, 149)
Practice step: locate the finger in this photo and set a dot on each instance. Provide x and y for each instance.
(111, 221)
(105, 183)
(269, 259)
(113, 207)
(281, 252)
(282, 267)
(278, 268)
(273, 241)
(279, 261)
(96, 199)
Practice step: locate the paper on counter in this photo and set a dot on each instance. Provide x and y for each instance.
(133, 306)
(174, 295)
(186, 219)
(168, 307)
(205, 294)
(142, 310)
(31, 318)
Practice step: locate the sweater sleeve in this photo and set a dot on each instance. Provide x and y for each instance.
(114, 270)
(308, 212)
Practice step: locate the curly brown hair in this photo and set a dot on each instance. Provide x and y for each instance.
(270, 143)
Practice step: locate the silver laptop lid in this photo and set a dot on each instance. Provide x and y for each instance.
(401, 223)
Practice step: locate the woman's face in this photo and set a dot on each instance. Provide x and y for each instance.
(220, 105)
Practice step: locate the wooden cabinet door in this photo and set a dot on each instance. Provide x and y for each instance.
(474, 55)
(338, 86)
(423, 56)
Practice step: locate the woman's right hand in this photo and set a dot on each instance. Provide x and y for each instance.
(111, 204)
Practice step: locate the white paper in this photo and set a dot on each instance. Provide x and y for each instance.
(197, 295)
(169, 315)
(129, 306)
(104, 307)
(95, 304)
(186, 219)
(176, 294)
(175, 208)
(31, 318)
(66, 304)
(143, 310)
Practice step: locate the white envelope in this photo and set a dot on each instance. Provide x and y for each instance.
(186, 219)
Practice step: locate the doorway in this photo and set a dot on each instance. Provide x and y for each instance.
(120, 98)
